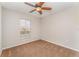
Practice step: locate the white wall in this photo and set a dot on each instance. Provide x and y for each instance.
(0, 29)
(62, 28)
(11, 35)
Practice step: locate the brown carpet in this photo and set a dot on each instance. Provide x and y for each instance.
(39, 48)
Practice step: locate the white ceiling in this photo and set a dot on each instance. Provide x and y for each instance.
(21, 7)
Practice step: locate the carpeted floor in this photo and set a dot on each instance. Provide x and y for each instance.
(39, 48)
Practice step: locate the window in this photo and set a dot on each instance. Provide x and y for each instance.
(25, 26)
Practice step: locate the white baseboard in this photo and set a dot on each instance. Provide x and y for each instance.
(62, 45)
(19, 44)
(45, 40)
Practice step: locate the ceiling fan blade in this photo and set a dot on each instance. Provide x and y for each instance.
(40, 12)
(33, 10)
(46, 8)
(39, 4)
(29, 4)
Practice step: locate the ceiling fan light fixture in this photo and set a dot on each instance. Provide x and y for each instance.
(38, 9)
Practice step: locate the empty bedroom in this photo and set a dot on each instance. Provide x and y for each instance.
(39, 29)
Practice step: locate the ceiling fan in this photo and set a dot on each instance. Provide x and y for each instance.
(38, 7)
